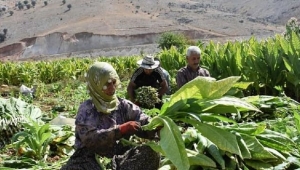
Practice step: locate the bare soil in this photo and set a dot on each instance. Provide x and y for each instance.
(219, 20)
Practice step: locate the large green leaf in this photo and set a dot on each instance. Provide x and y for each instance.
(156, 147)
(297, 120)
(171, 141)
(45, 137)
(214, 151)
(208, 117)
(276, 142)
(16, 107)
(201, 88)
(42, 130)
(224, 105)
(202, 160)
(259, 165)
(287, 64)
(295, 41)
(224, 140)
(258, 152)
(243, 147)
(249, 129)
(284, 44)
(169, 110)
(275, 153)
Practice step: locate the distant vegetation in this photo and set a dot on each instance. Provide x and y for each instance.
(33, 3)
(3, 36)
(69, 6)
(169, 39)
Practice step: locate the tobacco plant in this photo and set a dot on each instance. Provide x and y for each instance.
(201, 105)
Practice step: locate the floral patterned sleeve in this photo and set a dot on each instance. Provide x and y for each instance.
(134, 113)
(99, 132)
(94, 132)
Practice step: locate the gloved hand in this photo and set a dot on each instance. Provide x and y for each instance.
(129, 128)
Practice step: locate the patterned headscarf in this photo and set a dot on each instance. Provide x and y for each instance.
(97, 76)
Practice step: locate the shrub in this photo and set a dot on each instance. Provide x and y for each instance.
(11, 13)
(169, 39)
(45, 3)
(5, 31)
(2, 38)
(20, 6)
(25, 2)
(69, 6)
(147, 97)
(292, 26)
(64, 1)
(33, 3)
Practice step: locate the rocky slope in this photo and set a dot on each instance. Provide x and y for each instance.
(125, 27)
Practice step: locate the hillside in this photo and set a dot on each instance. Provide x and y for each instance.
(125, 27)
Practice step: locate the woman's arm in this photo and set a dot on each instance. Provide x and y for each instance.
(135, 114)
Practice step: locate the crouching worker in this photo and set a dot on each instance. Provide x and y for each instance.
(104, 119)
(148, 74)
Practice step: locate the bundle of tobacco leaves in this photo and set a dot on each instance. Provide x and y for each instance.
(147, 97)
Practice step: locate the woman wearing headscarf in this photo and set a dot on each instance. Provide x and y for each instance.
(103, 120)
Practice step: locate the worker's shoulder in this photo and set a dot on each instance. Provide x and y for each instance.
(183, 69)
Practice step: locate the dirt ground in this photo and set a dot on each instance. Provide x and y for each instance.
(214, 19)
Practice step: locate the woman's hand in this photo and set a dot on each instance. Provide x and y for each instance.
(130, 128)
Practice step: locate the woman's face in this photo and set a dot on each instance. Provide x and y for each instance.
(110, 87)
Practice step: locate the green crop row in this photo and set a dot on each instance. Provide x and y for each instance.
(32, 72)
(273, 65)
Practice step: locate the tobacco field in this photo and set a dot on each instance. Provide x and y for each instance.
(246, 116)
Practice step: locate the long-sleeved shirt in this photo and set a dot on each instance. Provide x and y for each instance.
(140, 78)
(99, 132)
(167, 77)
(187, 74)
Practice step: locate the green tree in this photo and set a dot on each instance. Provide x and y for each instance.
(69, 6)
(169, 39)
(5, 31)
(292, 26)
(64, 1)
(11, 13)
(33, 3)
(45, 3)
(20, 6)
(25, 2)
(2, 38)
